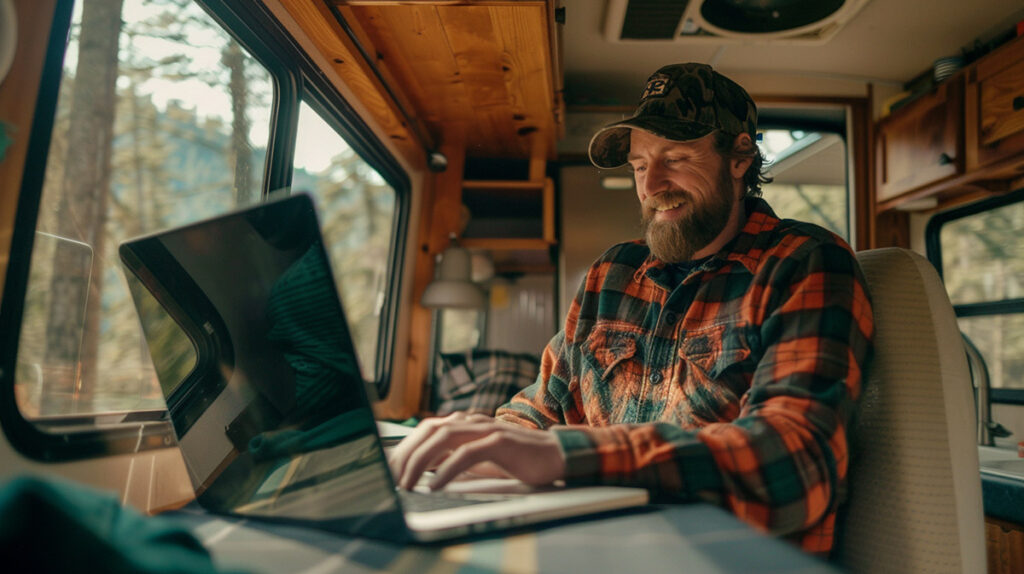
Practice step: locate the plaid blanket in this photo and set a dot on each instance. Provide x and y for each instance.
(481, 380)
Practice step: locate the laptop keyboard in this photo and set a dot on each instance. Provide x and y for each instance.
(413, 501)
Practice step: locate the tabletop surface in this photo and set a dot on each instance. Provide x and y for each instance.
(698, 538)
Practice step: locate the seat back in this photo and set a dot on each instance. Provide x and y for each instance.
(915, 488)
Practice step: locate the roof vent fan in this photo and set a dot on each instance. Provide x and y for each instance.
(718, 21)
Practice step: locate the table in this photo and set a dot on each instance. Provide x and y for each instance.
(690, 538)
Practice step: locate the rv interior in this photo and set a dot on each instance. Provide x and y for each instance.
(438, 133)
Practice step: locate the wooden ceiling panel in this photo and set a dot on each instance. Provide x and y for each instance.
(477, 51)
(527, 61)
(482, 70)
(399, 32)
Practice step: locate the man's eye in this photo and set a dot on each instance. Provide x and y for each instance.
(637, 168)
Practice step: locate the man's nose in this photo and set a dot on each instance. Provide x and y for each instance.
(655, 181)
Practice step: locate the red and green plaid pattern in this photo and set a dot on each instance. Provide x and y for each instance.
(733, 382)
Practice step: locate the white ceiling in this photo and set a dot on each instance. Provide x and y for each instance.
(888, 43)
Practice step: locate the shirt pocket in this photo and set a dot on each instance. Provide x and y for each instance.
(609, 381)
(717, 352)
(609, 348)
(715, 371)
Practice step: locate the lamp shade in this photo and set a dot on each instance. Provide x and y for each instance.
(453, 287)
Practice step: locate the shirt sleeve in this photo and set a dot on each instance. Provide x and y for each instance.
(782, 463)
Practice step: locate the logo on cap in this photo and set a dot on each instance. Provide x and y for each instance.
(657, 85)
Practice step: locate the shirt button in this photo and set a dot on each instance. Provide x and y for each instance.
(655, 377)
(671, 318)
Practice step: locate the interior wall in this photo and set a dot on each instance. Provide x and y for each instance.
(592, 219)
(521, 318)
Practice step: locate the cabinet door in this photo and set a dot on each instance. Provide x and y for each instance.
(921, 143)
(1004, 544)
(995, 106)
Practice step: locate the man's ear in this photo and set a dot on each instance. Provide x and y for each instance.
(744, 148)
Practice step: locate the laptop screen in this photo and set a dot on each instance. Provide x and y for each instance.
(273, 419)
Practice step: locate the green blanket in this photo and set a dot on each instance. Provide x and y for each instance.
(50, 525)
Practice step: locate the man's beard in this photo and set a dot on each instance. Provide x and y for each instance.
(676, 241)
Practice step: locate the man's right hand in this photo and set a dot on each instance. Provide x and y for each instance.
(460, 442)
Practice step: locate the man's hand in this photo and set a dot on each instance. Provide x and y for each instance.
(460, 442)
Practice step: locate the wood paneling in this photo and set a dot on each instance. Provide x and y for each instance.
(1004, 542)
(18, 94)
(438, 217)
(486, 66)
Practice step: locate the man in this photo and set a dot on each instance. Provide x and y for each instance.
(720, 359)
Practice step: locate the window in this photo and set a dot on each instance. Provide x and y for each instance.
(809, 171)
(979, 252)
(162, 118)
(191, 122)
(358, 215)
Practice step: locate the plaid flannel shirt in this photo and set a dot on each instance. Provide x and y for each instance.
(733, 382)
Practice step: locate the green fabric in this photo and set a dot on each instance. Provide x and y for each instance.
(314, 342)
(49, 525)
(4, 140)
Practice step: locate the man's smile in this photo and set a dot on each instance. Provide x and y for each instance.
(665, 208)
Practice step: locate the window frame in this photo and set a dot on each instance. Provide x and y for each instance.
(266, 40)
(325, 101)
(933, 249)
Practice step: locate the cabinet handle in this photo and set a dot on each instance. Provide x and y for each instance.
(945, 159)
(1018, 103)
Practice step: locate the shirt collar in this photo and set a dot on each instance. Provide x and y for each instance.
(746, 248)
(750, 243)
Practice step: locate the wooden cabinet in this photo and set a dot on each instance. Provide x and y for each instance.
(512, 220)
(995, 106)
(921, 143)
(962, 141)
(1004, 543)
(509, 214)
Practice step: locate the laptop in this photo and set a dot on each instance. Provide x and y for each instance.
(257, 363)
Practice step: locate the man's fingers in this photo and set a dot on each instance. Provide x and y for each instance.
(460, 442)
(464, 458)
(436, 447)
(399, 456)
(531, 456)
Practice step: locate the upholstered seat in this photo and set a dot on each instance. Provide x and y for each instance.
(915, 489)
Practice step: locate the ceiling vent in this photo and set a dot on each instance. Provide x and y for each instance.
(718, 21)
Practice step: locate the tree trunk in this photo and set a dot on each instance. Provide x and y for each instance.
(241, 150)
(77, 282)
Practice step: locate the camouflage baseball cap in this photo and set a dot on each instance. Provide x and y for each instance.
(681, 102)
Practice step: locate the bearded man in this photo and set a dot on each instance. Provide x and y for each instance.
(719, 359)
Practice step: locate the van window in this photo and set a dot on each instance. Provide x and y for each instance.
(809, 177)
(980, 254)
(162, 119)
(358, 214)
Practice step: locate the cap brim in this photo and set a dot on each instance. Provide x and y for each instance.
(610, 146)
